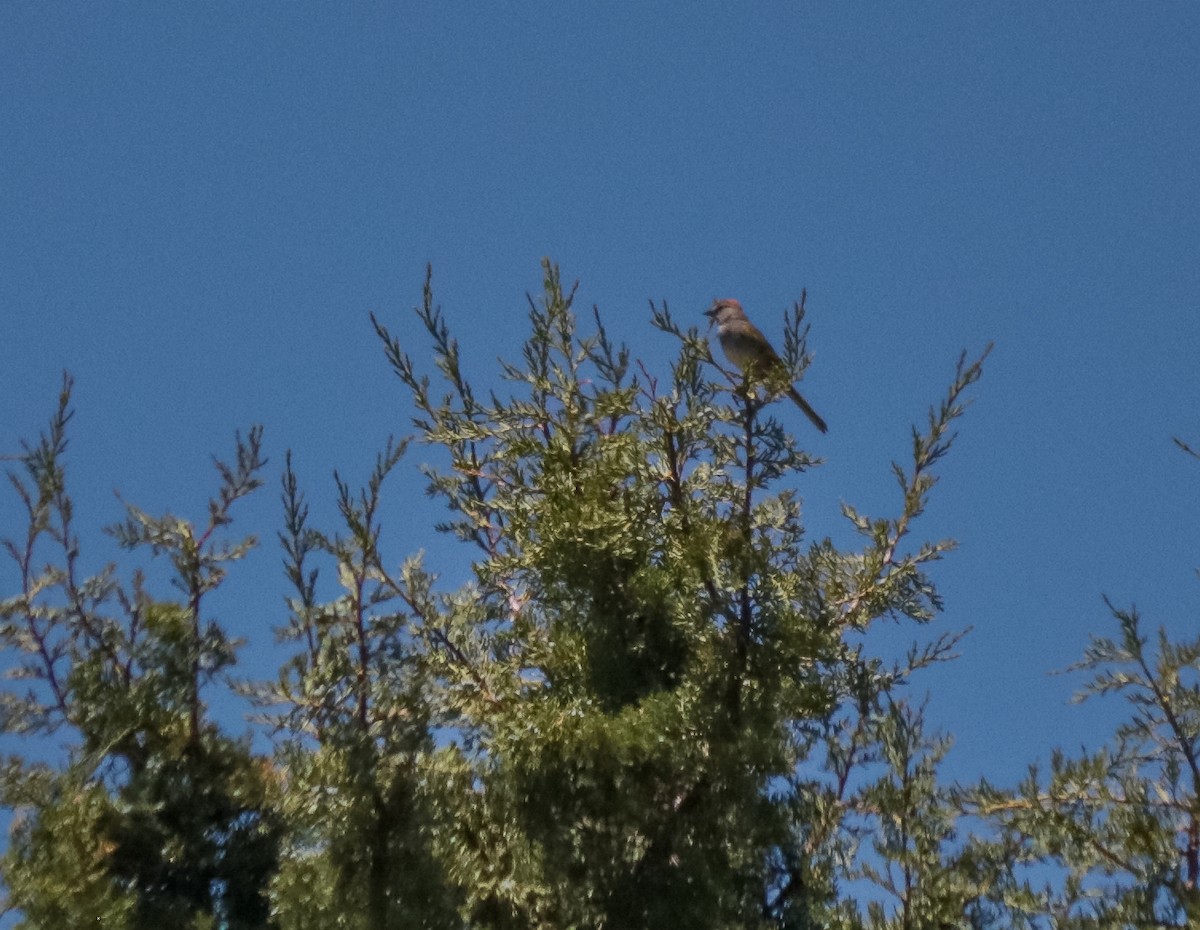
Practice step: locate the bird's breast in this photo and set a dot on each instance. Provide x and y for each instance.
(741, 348)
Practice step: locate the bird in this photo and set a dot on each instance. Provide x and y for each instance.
(745, 346)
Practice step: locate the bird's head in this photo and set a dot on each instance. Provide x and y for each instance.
(722, 311)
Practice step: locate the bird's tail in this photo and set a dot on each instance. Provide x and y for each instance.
(808, 411)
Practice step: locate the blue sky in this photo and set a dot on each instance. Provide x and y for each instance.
(202, 202)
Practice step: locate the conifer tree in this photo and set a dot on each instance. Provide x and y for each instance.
(150, 817)
(1108, 838)
(657, 703)
(1117, 827)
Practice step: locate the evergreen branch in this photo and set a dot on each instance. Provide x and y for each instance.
(928, 449)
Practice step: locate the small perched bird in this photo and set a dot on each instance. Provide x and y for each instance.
(748, 348)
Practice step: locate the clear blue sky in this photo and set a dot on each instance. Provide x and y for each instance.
(200, 204)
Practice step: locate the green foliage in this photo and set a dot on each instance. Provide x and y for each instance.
(156, 818)
(56, 868)
(1123, 822)
(355, 707)
(658, 702)
(648, 680)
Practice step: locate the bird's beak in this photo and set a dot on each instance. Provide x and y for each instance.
(711, 313)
